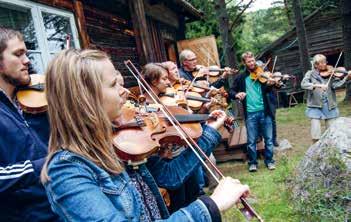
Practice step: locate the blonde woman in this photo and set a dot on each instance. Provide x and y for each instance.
(84, 179)
(321, 97)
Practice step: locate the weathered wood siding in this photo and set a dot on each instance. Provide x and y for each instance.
(324, 35)
(108, 25)
(113, 33)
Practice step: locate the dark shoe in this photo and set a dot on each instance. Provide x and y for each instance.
(271, 166)
(275, 143)
(253, 168)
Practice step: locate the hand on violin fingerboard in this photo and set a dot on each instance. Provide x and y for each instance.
(228, 72)
(271, 82)
(219, 116)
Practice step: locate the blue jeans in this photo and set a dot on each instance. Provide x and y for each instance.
(257, 123)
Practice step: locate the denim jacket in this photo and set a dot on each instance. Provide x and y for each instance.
(172, 174)
(79, 190)
(314, 96)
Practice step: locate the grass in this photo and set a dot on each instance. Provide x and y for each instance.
(270, 195)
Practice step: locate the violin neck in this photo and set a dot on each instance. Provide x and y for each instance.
(196, 98)
(342, 71)
(201, 87)
(37, 87)
(186, 118)
(215, 70)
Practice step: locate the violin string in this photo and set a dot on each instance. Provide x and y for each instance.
(181, 86)
(174, 122)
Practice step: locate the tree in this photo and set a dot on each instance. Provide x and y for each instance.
(261, 28)
(214, 23)
(346, 27)
(226, 35)
(301, 36)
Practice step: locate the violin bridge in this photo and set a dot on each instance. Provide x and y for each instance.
(154, 120)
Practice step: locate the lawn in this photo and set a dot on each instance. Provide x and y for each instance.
(270, 195)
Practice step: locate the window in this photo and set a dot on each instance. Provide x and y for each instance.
(45, 29)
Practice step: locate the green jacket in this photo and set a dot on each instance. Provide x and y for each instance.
(314, 95)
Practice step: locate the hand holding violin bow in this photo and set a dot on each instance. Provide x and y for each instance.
(321, 86)
(228, 192)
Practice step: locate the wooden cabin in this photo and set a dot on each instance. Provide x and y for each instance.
(140, 30)
(324, 35)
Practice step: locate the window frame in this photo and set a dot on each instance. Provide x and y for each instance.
(36, 10)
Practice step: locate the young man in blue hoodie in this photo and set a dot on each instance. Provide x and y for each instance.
(22, 153)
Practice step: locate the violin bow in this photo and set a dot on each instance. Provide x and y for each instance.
(266, 64)
(68, 41)
(275, 61)
(247, 211)
(191, 83)
(336, 64)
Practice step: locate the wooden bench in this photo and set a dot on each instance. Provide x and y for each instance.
(290, 95)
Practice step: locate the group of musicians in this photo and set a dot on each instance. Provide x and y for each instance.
(63, 165)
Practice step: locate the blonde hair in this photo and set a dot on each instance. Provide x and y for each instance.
(318, 58)
(78, 122)
(246, 55)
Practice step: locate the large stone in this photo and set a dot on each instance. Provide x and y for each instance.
(284, 145)
(323, 177)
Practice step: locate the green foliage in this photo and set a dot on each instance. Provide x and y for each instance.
(253, 32)
(261, 28)
(209, 25)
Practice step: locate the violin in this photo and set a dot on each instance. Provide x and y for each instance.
(184, 84)
(247, 211)
(259, 74)
(339, 72)
(174, 97)
(139, 135)
(32, 98)
(192, 100)
(220, 96)
(265, 76)
(213, 71)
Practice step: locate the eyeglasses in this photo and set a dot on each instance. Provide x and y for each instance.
(192, 59)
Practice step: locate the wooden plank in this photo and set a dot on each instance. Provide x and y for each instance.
(205, 49)
(80, 19)
(222, 154)
(62, 4)
(158, 45)
(143, 38)
(162, 13)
